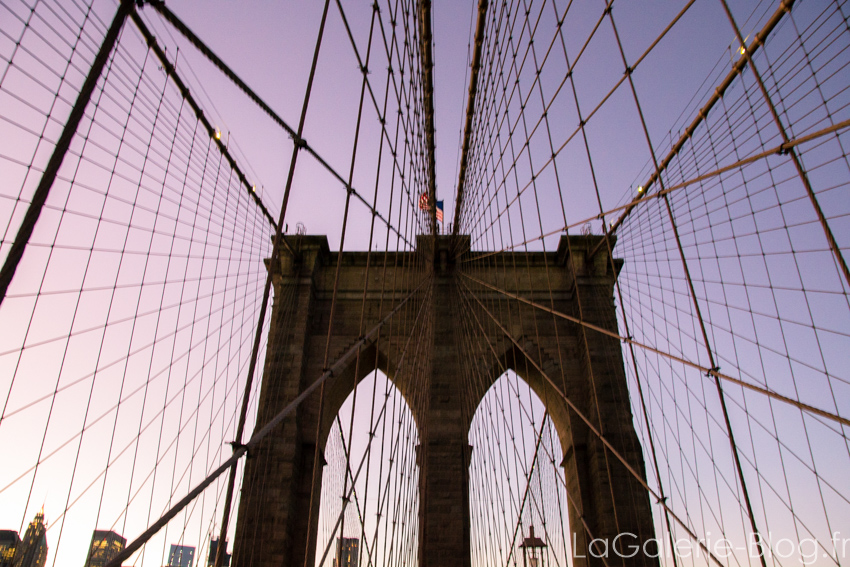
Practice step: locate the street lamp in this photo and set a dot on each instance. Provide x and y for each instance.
(532, 550)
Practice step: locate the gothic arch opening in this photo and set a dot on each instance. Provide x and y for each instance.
(340, 390)
(516, 482)
(369, 495)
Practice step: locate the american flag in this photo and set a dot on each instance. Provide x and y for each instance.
(423, 205)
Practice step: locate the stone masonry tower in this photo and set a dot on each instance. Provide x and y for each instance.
(569, 361)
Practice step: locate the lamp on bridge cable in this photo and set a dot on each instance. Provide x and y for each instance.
(532, 550)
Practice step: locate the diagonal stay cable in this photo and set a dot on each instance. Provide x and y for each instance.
(705, 370)
(528, 485)
(355, 475)
(241, 450)
(27, 226)
(776, 150)
(719, 91)
(601, 103)
(686, 268)
(300, 142)
(591, 427)
(469, 314)
(170, 70)
(316, 480)
(275, 253)
(804, 176)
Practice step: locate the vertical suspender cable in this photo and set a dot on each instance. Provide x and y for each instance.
(686, 269)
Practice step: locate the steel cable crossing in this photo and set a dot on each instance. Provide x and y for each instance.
(133, 284)
(514, 149)
(176, 99)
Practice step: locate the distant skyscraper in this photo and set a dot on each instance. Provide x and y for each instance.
(32, 551)
(214, 549)
(104, 546)
(9, 541)
(181, 556)
(347, 552)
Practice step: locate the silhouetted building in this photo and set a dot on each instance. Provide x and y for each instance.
(181, 556)
(104, 546)
(213, 550)
(32, 551)
(9, 542)
(347, 552)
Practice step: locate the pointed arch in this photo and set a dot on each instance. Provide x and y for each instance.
(341, 388)
(370, 446)
(516, 470)
(514, 360)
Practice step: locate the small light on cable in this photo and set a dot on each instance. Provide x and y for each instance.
(743, 48)
(218, 134)
(640, 189)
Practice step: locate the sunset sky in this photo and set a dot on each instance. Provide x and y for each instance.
(48, 389)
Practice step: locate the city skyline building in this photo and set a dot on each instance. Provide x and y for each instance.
(32, 551)
(9, 541)
(214, 549)
(347, 552)
(181, 556)
(104, 546)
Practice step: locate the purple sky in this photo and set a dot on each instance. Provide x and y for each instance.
(777, 312)
(271, 45)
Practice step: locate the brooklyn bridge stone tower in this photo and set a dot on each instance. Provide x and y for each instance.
(561, 361)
